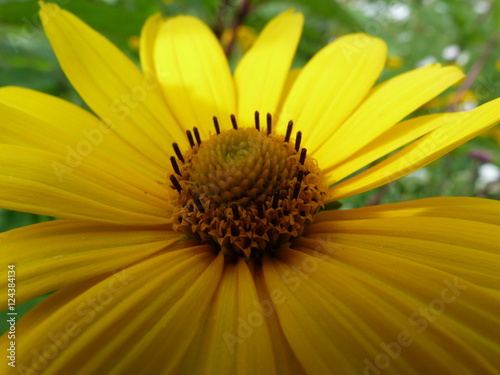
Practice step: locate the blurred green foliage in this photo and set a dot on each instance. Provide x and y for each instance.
(415, 31)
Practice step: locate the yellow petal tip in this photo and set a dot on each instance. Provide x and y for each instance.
(47, 11)
(292, 15)
(45, 6)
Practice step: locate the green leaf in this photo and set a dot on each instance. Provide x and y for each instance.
(107, 18)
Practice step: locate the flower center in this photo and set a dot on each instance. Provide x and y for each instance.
(248, 191)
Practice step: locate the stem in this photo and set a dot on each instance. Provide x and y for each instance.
(243, 11)
(219, 21)
(473, 74)
(474, 174)
(377, 197)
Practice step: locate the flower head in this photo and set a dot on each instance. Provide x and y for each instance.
(194, 238)
(246, 191)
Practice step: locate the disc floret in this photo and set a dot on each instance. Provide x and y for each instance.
(248, 191)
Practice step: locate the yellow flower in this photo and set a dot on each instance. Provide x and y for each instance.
(493, 133)
(133, 42)
(245, 36)
(247, 284)
(465, 101)
(394, 62)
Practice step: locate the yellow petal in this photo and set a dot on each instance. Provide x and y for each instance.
(464, 230)
(317, 331)
(367, 308)
(234, 338)
(430, 265)
(194, 74)
(113, 87)
(465, 208)
(107, 325)
(465, 233)
(286, 360)
(387, 104)
(148, 38)
(42, 182)
(399, 135)
(331, 86)
(58, 253)
(37, 120)
(287, 87)
(261, 74)
(457, 129)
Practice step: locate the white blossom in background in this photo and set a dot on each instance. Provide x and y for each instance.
(487, 174)
(482, 7)
(421, 175)
(399, 12)
(441, 8)
(371, 9)
(467, 105)
(463, 58)
(426, 61)
(404, 37)
(451, 52)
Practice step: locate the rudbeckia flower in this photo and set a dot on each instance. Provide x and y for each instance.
(196, 235)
